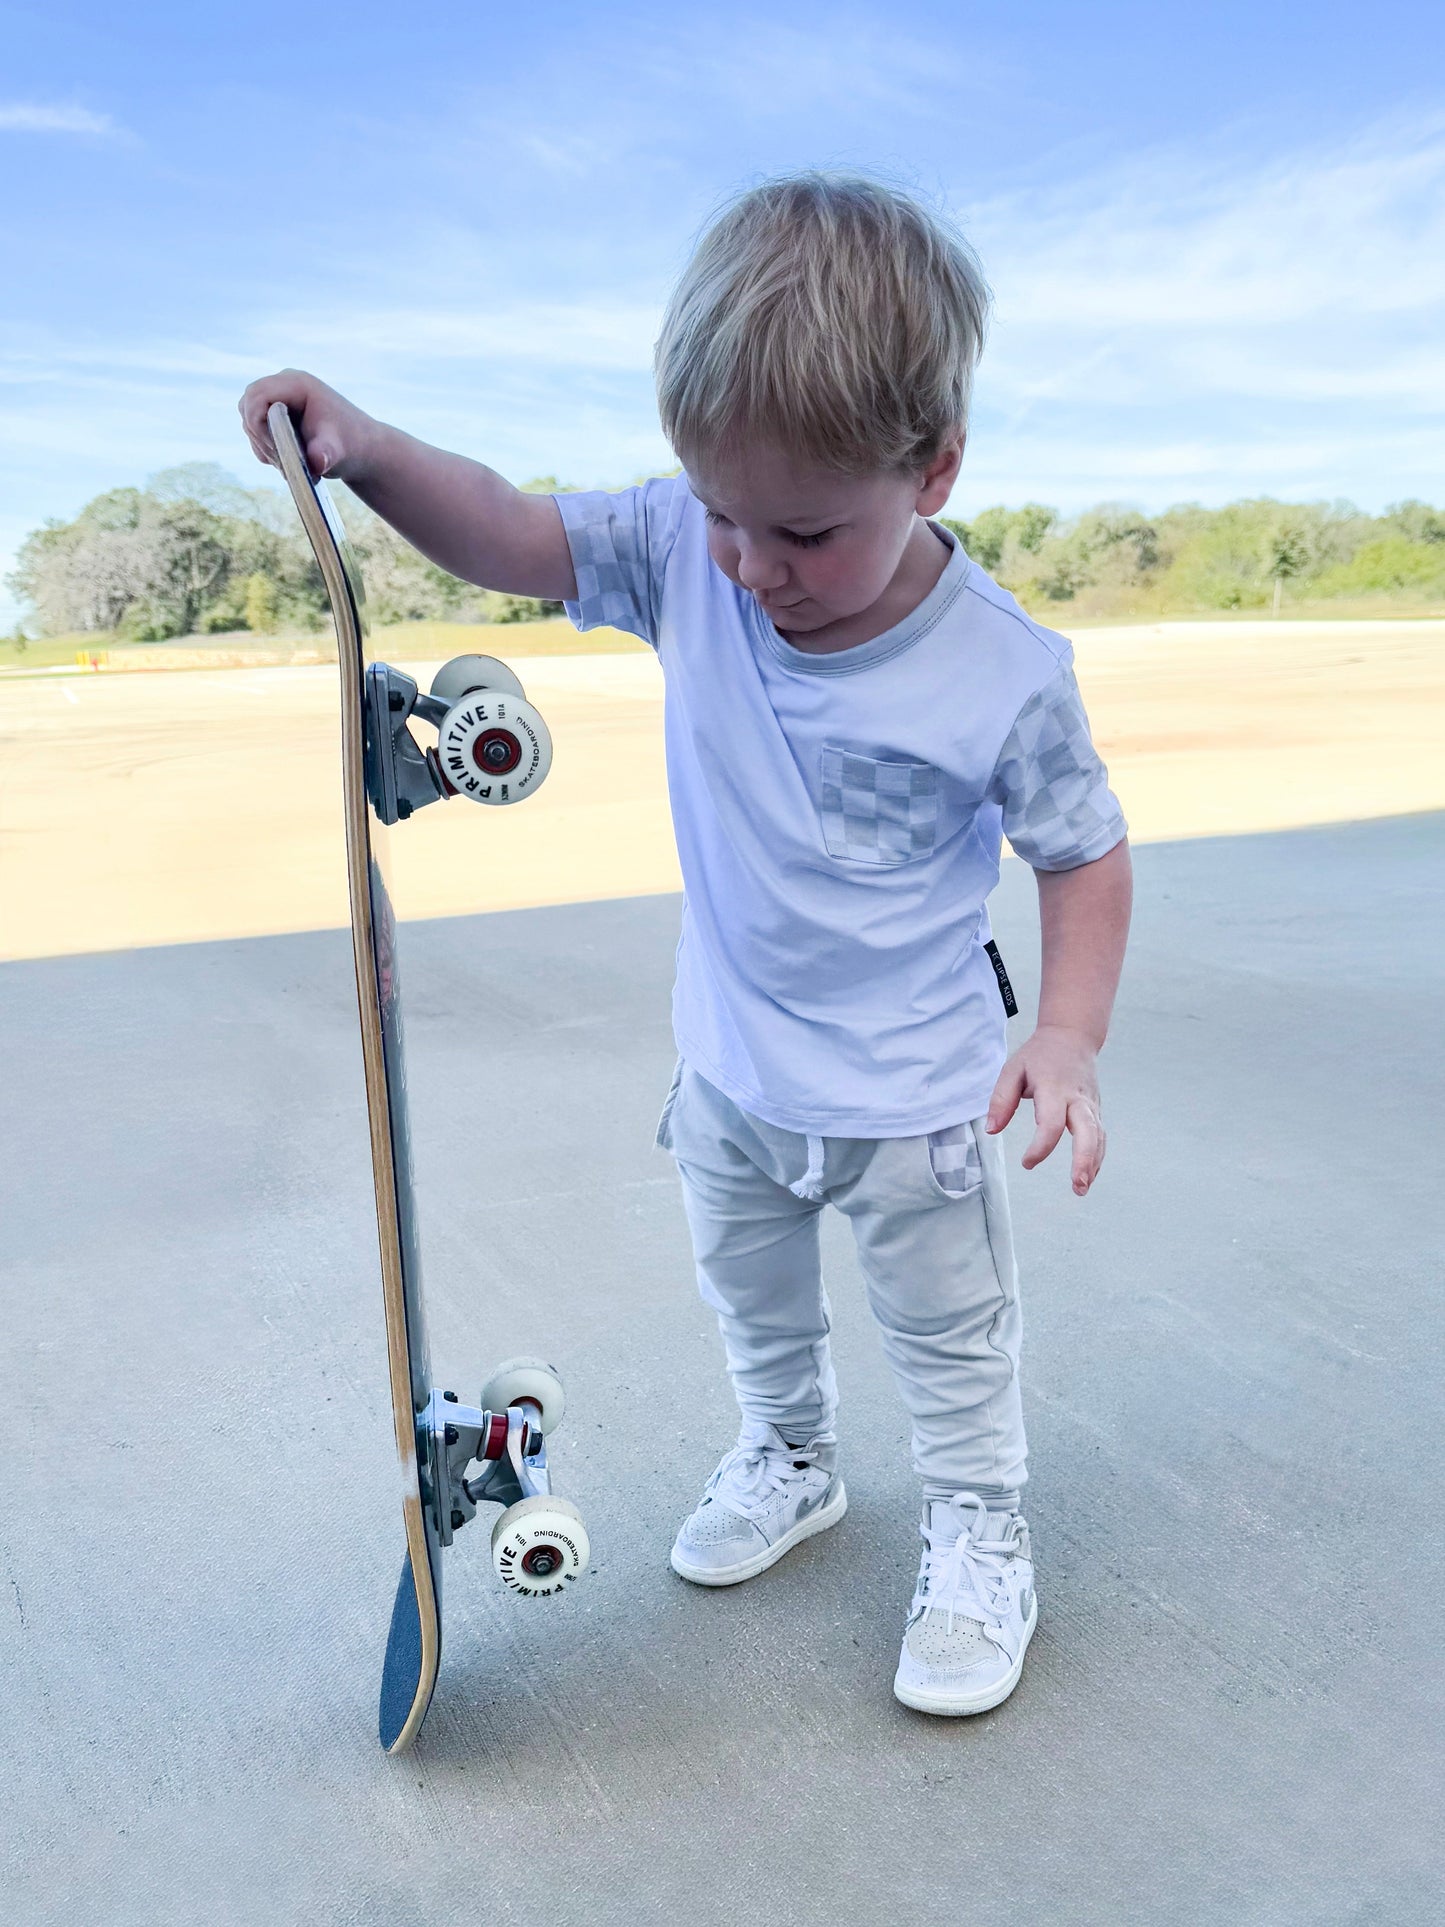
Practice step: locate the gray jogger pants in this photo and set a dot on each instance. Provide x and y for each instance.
(937, 1260)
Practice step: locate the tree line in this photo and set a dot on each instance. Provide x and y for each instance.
(194, 552)
(1257, 554)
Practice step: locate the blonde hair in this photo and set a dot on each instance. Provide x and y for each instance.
(829, 314)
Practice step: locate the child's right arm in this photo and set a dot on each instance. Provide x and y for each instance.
(462, 516)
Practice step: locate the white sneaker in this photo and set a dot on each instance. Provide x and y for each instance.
(973, 1613)
(764, 1498)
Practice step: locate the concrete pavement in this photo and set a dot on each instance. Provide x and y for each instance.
(1232, 1709)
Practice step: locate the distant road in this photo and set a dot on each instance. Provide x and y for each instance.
(154, 809)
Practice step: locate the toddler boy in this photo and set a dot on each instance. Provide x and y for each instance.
(855, 714)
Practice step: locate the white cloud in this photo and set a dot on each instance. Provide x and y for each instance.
(1318, 277)
(1356, 229)
(36, 363)
(600, 334)
(1190, 325)
(562, 151)
(595, 332)
(33, 117)
(1069, 470)
(775, 67)
(1405, 377)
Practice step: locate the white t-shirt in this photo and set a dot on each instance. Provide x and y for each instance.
(838, 821)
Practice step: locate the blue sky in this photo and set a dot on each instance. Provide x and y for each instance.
(1216, 236)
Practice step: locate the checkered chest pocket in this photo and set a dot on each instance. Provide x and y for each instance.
(878, 812)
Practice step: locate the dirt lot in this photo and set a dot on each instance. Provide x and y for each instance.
(166, 808)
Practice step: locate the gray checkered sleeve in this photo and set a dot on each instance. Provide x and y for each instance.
(620, 547)
(1058, 809)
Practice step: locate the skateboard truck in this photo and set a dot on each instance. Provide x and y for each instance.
(539, 1544)
(491, 743)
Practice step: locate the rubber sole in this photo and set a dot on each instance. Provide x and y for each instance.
(960, 1705)
(819, 1521)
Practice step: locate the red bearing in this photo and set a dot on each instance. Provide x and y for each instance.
(496, 752)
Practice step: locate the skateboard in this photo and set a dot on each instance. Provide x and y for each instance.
(492, 746)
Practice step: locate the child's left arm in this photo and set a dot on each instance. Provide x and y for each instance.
(1084, 920)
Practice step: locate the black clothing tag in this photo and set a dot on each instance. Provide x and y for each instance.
(1005, 988)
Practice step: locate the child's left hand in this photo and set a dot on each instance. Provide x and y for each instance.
(1058, 1070)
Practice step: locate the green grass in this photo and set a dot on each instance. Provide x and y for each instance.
(399, 642)
(50, 651)
(1069, 616)
(435, 641)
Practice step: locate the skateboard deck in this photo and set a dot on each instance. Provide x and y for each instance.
(491, 746)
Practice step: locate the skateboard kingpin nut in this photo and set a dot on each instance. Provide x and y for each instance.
(493, 747)
(539, 1546)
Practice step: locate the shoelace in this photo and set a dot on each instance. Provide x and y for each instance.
(965, 1578)
(750, 1475)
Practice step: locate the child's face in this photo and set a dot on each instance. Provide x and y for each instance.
(813, 547)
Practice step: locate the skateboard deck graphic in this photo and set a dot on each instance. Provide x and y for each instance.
(493, 747)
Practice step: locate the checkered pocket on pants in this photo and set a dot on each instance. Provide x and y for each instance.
(878, 812)
(955, 1159)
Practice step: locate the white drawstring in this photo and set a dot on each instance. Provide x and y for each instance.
(810, 1185)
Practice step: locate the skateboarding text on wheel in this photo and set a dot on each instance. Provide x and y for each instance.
(493, 747)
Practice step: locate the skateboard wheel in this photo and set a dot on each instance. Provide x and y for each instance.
(533, 1378)
(493, 748)
(463, 674)
(539, 1546)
